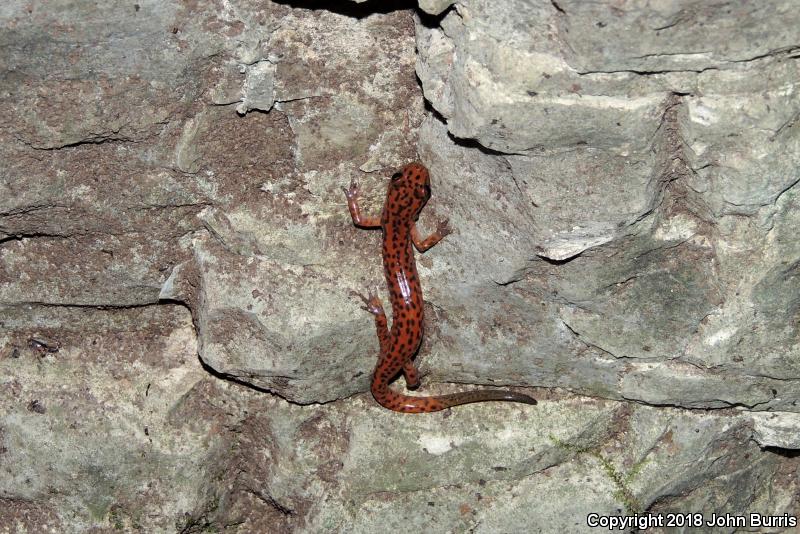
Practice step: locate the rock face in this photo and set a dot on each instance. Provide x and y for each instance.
(179, 351)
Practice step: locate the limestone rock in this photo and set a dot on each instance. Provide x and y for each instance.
(179, 347)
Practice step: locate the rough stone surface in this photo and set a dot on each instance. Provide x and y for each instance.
(644, 193)
(179, 351)
(88, 429)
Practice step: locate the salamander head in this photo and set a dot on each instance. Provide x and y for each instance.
(409, 190)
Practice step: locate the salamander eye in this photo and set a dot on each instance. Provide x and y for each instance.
(396, 176)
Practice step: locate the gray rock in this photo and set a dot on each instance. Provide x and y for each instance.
(179, 347)
(777, 429)
(88, 435)
(665, 265)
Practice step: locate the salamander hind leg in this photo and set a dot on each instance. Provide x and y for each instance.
(373, 305)
(411, 374)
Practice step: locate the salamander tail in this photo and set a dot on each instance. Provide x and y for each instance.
(408, 404)
(481, 395)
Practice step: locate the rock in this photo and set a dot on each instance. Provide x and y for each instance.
(777, 429)
(99, 443)
(664, 265)
(179, 346)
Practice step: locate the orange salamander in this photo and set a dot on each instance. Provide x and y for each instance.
(409, 190)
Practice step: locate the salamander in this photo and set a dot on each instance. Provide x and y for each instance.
(409, 190)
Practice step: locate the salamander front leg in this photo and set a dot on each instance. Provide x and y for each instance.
(442, 229)
(362, 221)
